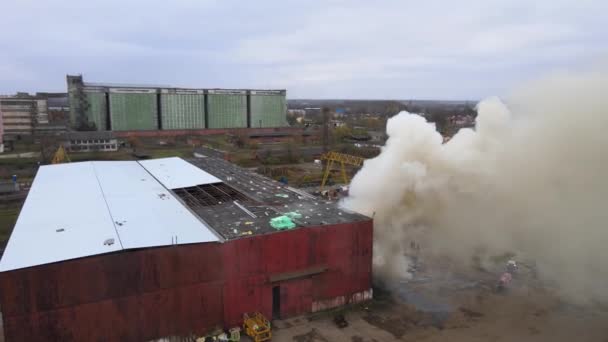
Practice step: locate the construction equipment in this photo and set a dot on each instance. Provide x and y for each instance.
(61, 156)
(343, 159)
(257, 327)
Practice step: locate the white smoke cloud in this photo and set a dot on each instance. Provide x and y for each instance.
(529, 179)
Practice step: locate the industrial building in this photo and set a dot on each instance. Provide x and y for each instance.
(120, 107)
(90, 142)
(139, 250)
(24, 114)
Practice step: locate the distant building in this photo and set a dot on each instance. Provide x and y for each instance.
(24, 115)
(337, 123)
(7, 187)
(377, 136)
(339, 112)
(90, 142)
(312, 111)
(18, 115)
(296, 112)
(57, 115)
(131, 107)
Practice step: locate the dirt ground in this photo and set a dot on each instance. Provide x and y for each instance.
(518, 317)
(443, 304)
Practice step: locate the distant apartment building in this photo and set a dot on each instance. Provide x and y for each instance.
(24, 115)
(18, 115)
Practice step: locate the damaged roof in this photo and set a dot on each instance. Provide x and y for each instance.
(258, 200)
(88, 208)
(175, 173)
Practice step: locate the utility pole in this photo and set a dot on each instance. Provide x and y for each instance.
(325, 114)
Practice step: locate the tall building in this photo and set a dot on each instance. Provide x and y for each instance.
(18, 115)
(24, 114)
(125, 107)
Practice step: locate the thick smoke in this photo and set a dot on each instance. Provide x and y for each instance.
(529, 179)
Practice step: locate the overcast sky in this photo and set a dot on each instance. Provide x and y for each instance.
(314, 48)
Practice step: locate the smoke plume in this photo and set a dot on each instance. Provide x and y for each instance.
(528, 179)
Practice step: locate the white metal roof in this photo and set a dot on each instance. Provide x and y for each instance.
(145, 213)
(65, 197)
(175, 173)
(72, 209)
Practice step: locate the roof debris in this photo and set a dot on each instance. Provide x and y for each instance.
(282, 222)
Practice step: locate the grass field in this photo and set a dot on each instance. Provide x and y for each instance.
(8, 217)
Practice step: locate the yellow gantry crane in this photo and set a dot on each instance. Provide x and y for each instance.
(343, 159)
(61, 156)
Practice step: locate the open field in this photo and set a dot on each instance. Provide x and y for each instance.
(8, 217)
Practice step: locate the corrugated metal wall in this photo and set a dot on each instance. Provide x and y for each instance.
(183, 111)
(344, 249)
(95, 109)
(268, 111)
(227, 110)
(133, 111)
(133, 296)
(178, 290)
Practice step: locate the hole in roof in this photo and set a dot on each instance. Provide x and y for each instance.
(210, 194)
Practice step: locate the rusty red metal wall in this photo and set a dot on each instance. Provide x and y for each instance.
(344, 249)
(178, 290)
(139, 294)
(296, 297)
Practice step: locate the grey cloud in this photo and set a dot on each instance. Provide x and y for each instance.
(316, 48)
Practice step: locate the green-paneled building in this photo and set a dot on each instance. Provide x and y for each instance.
(121, 107)
(227, 108)
(133, 110)
(268, 108)
(96, 108)
(182, 109)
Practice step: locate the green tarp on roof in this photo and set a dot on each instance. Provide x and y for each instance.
(282, 222)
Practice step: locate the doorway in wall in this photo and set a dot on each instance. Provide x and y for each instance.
(276, 302)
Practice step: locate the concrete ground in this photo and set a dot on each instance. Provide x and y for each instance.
(301, 329)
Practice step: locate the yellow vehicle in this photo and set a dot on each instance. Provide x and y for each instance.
(257, 327)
